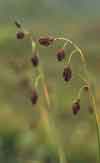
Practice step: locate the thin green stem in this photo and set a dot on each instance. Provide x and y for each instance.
(80, 91)
(65, 44)
(93, 100)
(51, 130)
(89, 85)
(70, 56)
(96, 119)
(52, 134)
(37, 81)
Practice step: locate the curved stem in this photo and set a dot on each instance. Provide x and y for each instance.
(89, 85)
(70, 56)
(83, 79)
(93, 100)
(65, 44)
(80, 91)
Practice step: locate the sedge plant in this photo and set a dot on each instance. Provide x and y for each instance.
(67, 73)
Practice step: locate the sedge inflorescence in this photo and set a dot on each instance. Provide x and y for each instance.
(67, 73)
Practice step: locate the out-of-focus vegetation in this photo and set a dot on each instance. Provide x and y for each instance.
(21, 138)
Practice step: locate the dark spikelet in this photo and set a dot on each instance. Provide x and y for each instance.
(86, 88)
(60, 54)
(35, 60)
(67, 74)
(76, 107)
(18, 25)
(20, 35)
(46, 41)
(34, 97)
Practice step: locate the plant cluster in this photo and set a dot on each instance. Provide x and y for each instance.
(67, 73)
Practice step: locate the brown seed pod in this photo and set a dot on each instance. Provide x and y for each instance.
(46, 41)
(35, 60)
(86, 88)
(76, 107)
(60, 54)
(34, 97)
(20, 35)
(67, 74)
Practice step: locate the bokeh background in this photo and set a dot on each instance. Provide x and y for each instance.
(22, 139)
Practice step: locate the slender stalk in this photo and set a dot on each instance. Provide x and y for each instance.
(87, 82)
(92, 98)
(52, 135)
(80, 91)
(70, 56)
(50, 130)
(45, 89)
(96, 120)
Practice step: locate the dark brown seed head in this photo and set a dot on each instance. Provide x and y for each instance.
(76, 107)
(86, 88)
(34, 97)
(46, 41)
(20, 35)
(18, 25)
(67, 73)
(60, 54)
(35, 60)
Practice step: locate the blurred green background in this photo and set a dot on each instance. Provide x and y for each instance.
(22, 140)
